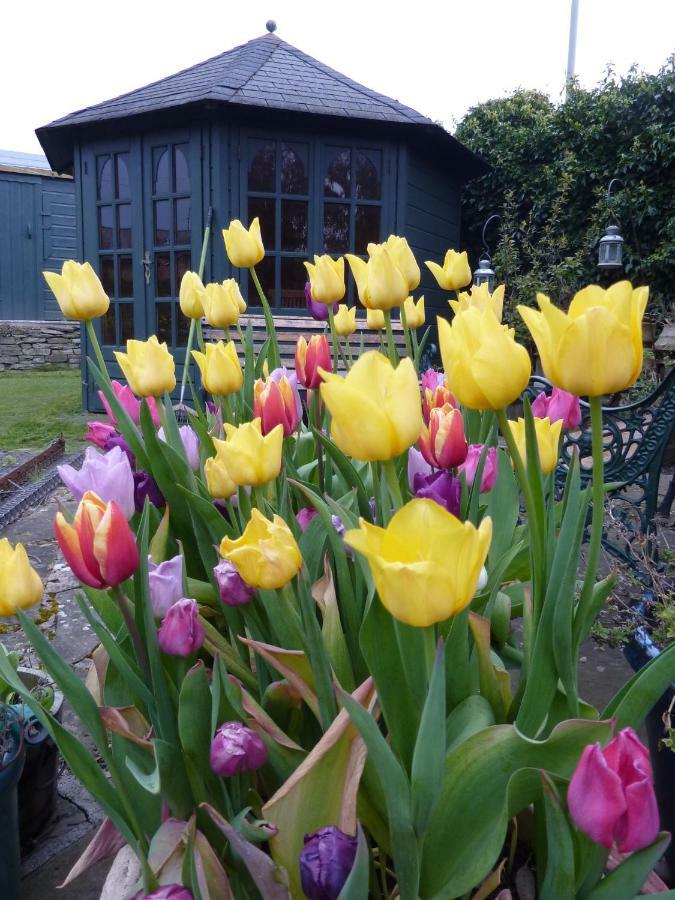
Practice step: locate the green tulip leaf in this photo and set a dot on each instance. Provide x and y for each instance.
(428, 762)
(624, 882)
(558, 881)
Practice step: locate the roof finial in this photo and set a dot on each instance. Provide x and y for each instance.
(271, 26)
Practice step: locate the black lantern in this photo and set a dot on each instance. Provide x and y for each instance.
(610, 245)
(485, 274)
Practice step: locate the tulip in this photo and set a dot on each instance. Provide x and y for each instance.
(232, 588)
(277, 401)
(244, 248)
(20, 584)
(223, 303)
(166, 584)
(596, 347)
(166, 892)
(309, 358)
(375, 320)
(455, 273)
(118, 440)
(99, 546)
(484, 366)
(318, 311)
(327, 279)
(190, 442)
(130, 404)
(548, 440)
(108, 475)
(490, 467)
(181, 633)
(219, 365)
(235, 748)
(441, 487)
(417, 465)
(403, 257)
(148, 367)
(218, 481)
(98, 433)
(380, 284)
(435, 392)
(78, 291)
(560, 405)
(305, 516)
(442, 442)
(249, 457)
(375, 410)
(425, 563)
(611, 796)
(414, 313)
(326, 860)
(146, 488)
(266, 555)
(344, 321)
(479, 296)
(191, 295)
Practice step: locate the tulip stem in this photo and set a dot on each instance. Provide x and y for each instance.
(333, 337)
(93, 340)
(393, 355)
(274, 357)
(349, 351)
(186, 364)
(406, 332)
(595, 542)
(315, 403)
(392, 482)
(134, 634)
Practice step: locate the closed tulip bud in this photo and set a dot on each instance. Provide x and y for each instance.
(455, 273)
(218, 481)
(490, 467)
(344, 321)
(220, 368)
(560, 405)
(417, 465)
(244, 248)
(78, 291)
(20, 584)
(146, 488)
(611, 795)
(99, 432)
(548, 441)
(441, 487)
(305, 516)
(118, 440)
(249, 457)
(266, 555)
(232, 588)
(166, 892)
(403, 257)
(318, 311)
(484, 366)
(108, 475)
(99, 546)
(414, 312)
(375, 320)
(309, 358)
(375, 410)
(327, 279)
(277, 402)
(166, 584)
(425, 563)
(181, 633)
(148, 367)
(235, 748)
(326, 860)
(380, 284)
(479, 297)
(442, 442)
(596, 347)
(190, 442)
(223, 303)
(191, 295)
(129, 403)
(435, 392)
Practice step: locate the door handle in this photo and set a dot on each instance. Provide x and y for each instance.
(146, 262)
(29, 231)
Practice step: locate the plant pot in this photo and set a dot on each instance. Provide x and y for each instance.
(12, 754)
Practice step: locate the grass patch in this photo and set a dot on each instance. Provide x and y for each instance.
(39, 404)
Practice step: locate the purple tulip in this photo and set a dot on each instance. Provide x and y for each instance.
(236, 748)
(146, 486)
(232, 588)
(108, 475)
(490, 466)
(432, 379)
(118, 440)
(305, 516)
(98, 433)
(167, 892)
(441, 487)
(325, 862)
(190, 443)
(166, 584)
(560, 405)
(318, 311)
(181, 633)
(417, 465)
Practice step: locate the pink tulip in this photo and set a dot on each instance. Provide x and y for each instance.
(611, 795)
(560, 405)
(442, 442)
(181, 633)
(99, 432)
(108, 475)
(130, 403)
(305, 516)
(470, 467)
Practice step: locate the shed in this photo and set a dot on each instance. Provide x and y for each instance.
(263, 130)
(37, 231)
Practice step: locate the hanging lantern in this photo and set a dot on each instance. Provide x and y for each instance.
(484, 274)
(610, 249)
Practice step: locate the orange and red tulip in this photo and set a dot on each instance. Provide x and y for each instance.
(309, 358)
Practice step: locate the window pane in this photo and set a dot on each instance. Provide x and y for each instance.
(104, 180)
(163, 322)
(126, 322)
(125, 276)
(293, 279)
(262, 165)
(368, 174)
(181, 234)
(338, 172)
(182, 328)
(108, 333)
(336, 228)
(161, 183)
(183, 260)
(162, 222)
(265, 209)
(105, 227)
(293, 225)
(123, 185)
(367, 227)
(123, 226)
(265, 271)
(294, 178)
(107, 274)
(163, 274)
(181, 170)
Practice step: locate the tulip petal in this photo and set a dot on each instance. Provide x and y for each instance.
(595, 798)
(639, 826)
(69, 543)
(115, 547)
(596, 355)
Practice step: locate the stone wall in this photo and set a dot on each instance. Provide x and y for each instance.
(25, 345)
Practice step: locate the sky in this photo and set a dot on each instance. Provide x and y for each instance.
(439, 56)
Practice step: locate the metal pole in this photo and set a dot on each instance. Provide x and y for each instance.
(572, 45)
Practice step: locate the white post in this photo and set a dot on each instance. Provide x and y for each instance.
(572, 46)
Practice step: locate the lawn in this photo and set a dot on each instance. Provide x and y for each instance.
(38, 405)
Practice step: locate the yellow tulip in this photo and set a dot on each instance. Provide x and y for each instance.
(345, 320)
(596, 347)
(327, 279)
(548, 441)
(223, 303)
(78, 291)
(484, 366)
(266, 555)
(218, 480)
(191, 295)
(414, 312)
(480, 297)
(375, 319)
(20, 584)
(219, 365)
(250, 457)
(380, 283)
(375, 410)
(425, 563)
(455, 273)
(244, 248)
(404, 259)
(148, 367)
